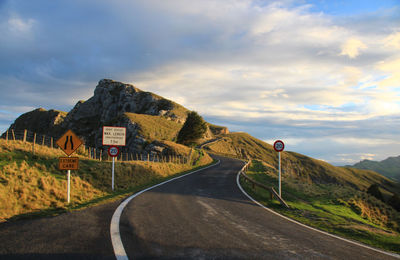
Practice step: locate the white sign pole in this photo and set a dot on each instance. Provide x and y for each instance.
(112, 178)
(69, 186)
(280, 188)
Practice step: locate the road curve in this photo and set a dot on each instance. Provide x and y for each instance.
(206, 216)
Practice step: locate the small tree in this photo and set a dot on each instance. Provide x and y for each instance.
(374, 191)
(193, 129)
(394, 201)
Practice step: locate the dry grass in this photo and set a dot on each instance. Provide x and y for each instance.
(32, 182)
(155, 127)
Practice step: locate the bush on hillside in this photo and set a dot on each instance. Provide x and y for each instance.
(374, 191)
(394, 201)
(193, 129)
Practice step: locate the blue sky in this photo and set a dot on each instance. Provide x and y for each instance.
(324, 76)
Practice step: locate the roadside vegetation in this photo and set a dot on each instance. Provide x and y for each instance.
(155, 127)
(338, 209)
(31, 184)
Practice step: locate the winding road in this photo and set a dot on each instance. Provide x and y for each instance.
(204, 215)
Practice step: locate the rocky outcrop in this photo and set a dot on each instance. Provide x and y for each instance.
(108, 106)
(111, 105)
(110, 101)
(41, 121)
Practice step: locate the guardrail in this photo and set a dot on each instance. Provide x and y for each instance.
(254, 183)
(95, 153)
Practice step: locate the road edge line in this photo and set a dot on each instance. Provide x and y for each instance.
(118, 247)
(304, 225)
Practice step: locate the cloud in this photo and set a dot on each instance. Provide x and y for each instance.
(352, 48)
(251, 65)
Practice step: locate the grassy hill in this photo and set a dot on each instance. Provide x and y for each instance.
(31, 184)
(338, 209)
(298, 166)
(389, 167)
(155, 127)
(321, 195)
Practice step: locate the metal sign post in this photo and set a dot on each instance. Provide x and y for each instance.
(113, 151)
(279, 146)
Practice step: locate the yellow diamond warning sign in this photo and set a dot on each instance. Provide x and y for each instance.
(69, 142)
(68, 163)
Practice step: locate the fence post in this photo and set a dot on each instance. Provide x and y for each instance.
(52, 142)
(7, 136)
(34, 141)
(101, 153)
(25, 132)
(13, 134)
(43, 137)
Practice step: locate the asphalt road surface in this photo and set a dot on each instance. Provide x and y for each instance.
(200, 216)
(206, 216)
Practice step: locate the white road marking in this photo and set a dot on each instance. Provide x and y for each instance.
(119, 250)
(303, 225)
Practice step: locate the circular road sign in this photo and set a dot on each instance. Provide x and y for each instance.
(113, 151)
(279, 146)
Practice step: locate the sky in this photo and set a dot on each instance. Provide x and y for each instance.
(323, 76)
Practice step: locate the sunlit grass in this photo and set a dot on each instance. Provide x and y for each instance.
(333, 208)
(31, 184)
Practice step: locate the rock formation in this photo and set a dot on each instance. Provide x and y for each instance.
(110, 105)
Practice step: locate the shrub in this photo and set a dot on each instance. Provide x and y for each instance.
(394, 201)
(374, 191)
(193, 129)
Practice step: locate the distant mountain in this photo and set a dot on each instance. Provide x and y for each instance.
(389, 167)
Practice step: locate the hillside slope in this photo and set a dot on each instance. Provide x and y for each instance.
(389, 167)
(31, 183)
(301, 167)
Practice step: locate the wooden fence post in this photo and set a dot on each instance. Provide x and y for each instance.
(7, 136)
(13, 134)
(101, 153)
(34, 141)
(43, 137)
(25, 132)
(52, 142)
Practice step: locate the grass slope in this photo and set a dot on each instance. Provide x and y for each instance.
(298, 166)
(341, 210)
(155, 127)
(31, 184)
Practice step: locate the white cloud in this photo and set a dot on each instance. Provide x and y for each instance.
(271, 64)
(20, 26)
(352, 48)
(393, 41)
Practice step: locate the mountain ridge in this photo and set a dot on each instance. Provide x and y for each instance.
(389, 167)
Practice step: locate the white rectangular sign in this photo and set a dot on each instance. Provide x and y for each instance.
(114, 135)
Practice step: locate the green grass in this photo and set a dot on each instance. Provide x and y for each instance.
(337, 209)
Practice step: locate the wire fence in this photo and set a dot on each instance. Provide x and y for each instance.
(95, 153)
